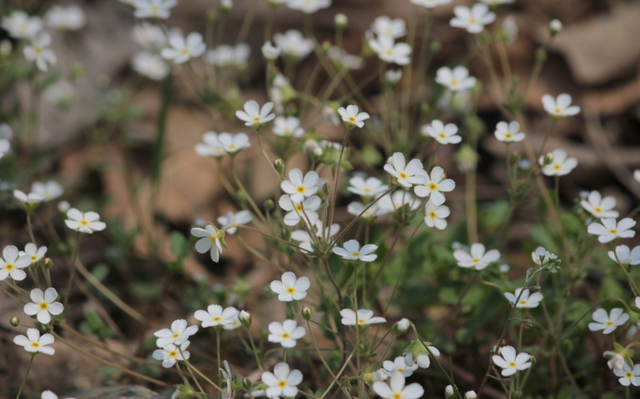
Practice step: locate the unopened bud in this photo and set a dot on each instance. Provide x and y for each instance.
(226, 5)
(63, 206)
(307, 313)
(448, 392)
(401, 326)
(247, 384)
(245, 318)
(547, 159)
(15, 321)
(435, 46)
(268, 205)
(279, 165)
(470, 395)
(47, 263)
(555, 27)
(341, 21)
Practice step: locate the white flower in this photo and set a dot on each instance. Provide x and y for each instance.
(44, 305)
(226, 56)
(396, 388)
(150, 36)
(292, 44)
(435, 185)
(399, 366)
(406, 174)
(456, 79)
(285, 333)
(330, 115)
(393, 76)
(150, 65)
(27, 199)
(403, 325)
(436, 215)
(555, 26)
(48, 190)
(176, 335)
(636, 175)
(352, 251)
(509, 29)
(423, 361)
(86, 222)
(308, 6)
(444, 134)
(209, 241)
(322, 233)
(305, 210)
(172, 354)
(5, 146)
(153, 8)
(65, 18)
(379, 375)
(244, 315)
(608, 321)
(282, 382)
(291, 288)
(50, 395)
(559, 107)
(183, 49)
(398, 200)
(600, 207)
(34, 343)
(21, 26)
(470, 395)
(392, 28)
(476, 258)
(609, 230)
(472, 19)
(211, 146)
(300, 186)
(638, 302)
(509, 362)
(39, 50)
(508, 132)
(616, 362)
(233, 143)
(628, 376)
(389, 51)
(363, 318)
(343, 59)
(541, 256)
(287, 126)
(371, 187)
(228, 376)
(430, 3)
(352, 117)
(356, 208)
(34, 253)
(560, 165)
(526, 300)
(11, 263)
(625, 255)
(215, 315)
(270, 52)
(253, 115)
(231, 220)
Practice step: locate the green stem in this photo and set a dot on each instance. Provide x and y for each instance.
(158, 151)
(24, 379)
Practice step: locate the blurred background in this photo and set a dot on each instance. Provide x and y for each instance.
(99, 146)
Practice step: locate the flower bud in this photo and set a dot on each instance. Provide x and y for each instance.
(211, 16)
(401, 326)
(470, 395)
(547, 159)
(226, 5)
(555, 27)
(15, 321)
(279, 165)
(247, 384)
(307, 313)
(448, 392)
(268, 205)
(341, 21)
(393, 76)
(435, 46)
(245, 318)
(269, 52)
(47, 263)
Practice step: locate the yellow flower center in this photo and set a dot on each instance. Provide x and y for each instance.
(299, 207)
(232, 147)
(628, 374)
(286, 335)
(613, 231)
(475, 260)
(361, 321)
(176, 335)
(155, 10)
(351, 119)
(282, 384)
(37, 50)
(523, 302)
(512, 364)
(442, 135)
(508, 136)
(403, 175)
(256, 119)
(396, 395)
(173, 353)
(473, 21)
(557, 110)
(557, 166)
(184, 51)
(44, 306)
(455, 82)
(389, 52)
(35, 344)
(84, 222)
(432, 214)
(34, 258)
(10, 266)
(433, 186)
(301, 189)
(213, 238)
(291, 290)
(597, 209)
(356, 254)
(217, 318)
(609, 323)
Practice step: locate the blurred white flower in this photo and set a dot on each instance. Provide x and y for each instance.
(352, 117)
(430, 3)
(150, 36)
(609, 229)
(215, 316)
(308, 6)
(305, 210)
(371, 187)
(509, 132)
(181, 49)
(456, 79)
(49, 190)
(176, 335)
(392, 28)
(625, 255)
(444, 134)
(282, 382)
(226, 55)
(287, 126)
(436, 215)
(233, 143)
(300, 186)
(628, 375)
(86, 222)
(560, 165)
(351, 250)
(69, 17)
(476, 258)
(20, 25)
(406, 174)
(435, 184)
(150, 65)
(270, 52)
(399, 366)
(396, 388)
(290, 288)
(292, 44)
(509, 362)
(389, 51)
(209, 241)
(608, 321)
(559, 107)
(253, 115)
(35, 254)
(230, 221)
(39, 51)
(342, 59)
(600, 207)
(153, 8)
(172, 354)
(472, 19)
(211, 146)
(364, 317)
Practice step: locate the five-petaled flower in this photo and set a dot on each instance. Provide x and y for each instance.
(86, 222)
(282, 382)
(352, 117)
(290, 288)
(609, 229)
(608, 321)
(209, 241)
(477, 258)
(44, 305)
(509, 362)
(253, 115)
(285, 333)
(396, 388)
(351, 251)
(364, 317)
(524, 299)
(34, 343)
(300, 186)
